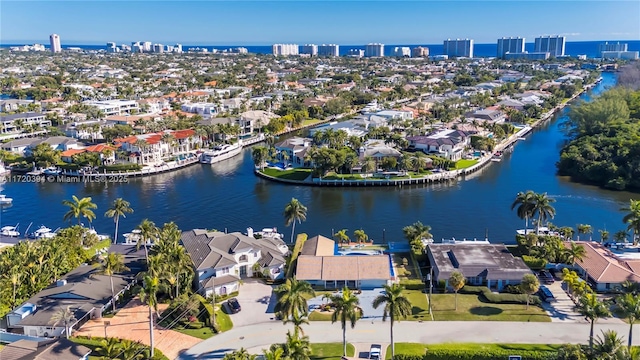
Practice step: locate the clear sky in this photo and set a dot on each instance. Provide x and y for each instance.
(342, 22)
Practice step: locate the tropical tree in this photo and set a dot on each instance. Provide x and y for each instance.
(148, 232)
(297, 320)
(604, 235)
(259, 155)
(632, 218)
(119, 208)
(346, 308)
(542, 207)
(524, 202)
(529, 285)
(64, 316)
(112, 264)
(628, 306)
(341, 236)
(360, 236)
(292, 298)
(240, 354)
(110, 348)
(415, 233)
(593, 309)
(275, 353)
(585, 229)
(572, 352)
(457, 281)
(396, 306)
(148, 294)
(575, 252)
(620, 236)
(609, 346)
(296, 347)
(294, 211)
(79, 208)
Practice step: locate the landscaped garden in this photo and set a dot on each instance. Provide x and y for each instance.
(465, 163)
(415, 351)
(195, 317)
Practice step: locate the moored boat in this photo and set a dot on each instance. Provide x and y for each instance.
(10, 231)
(4, 200)
(541, 231)
(220, 152)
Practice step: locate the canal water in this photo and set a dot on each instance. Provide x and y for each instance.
(228, 196)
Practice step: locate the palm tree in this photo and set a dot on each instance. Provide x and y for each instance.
(297, 320)
(341, 236)
(604, 235)
(296, 347)
(360, 236)
(292, 298)
(64, 316)
(457, 281)
(575, 253)
(529, 285)
(628, 306)
(110, 348)
(79, 208)
(609, 347)
(632, 218)
(276, 353)
(542, 206)
(148, 231)
(584, 229)
(148, 294)
(112, 264)
(119, 207)
(345, 309)
(524, 203)
(396, 306)
(593, 309)
(294, 211)
(620, 236)
(415, 233)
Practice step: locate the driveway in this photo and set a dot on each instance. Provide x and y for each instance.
(366, 300)
(257, 301)
(562, 310)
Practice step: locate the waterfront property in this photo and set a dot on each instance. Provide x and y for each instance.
(221, 260)
(155, 147)
(14, 123)
(605, 270)
(323, 266)
(449, 144)
(295, 149)
(490, 265)
(61, 349)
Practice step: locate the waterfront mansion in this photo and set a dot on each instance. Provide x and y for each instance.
(154, 148)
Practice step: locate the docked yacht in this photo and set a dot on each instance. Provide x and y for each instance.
(220, 152)
(133, 237)
(542, 230)
(4, 200)
(51, 171)
(271, 235)
(10, 231)
(43, 232)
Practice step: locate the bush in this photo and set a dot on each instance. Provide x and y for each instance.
(494, 298)
(119, 168)
(512, 289)
(195, 325)
(220, 298)
(461, 354)
(534, 263)
(95, 343)
(413, 284)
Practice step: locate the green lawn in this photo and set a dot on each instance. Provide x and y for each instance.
(334, 176)
(320, 316)
(470, 308)
(100, 245)
(419, 349)
(222, 319)
(308, 122)
(330, 351)
(464, 163)
(293, 174)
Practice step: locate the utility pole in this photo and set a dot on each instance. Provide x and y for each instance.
(213, 301)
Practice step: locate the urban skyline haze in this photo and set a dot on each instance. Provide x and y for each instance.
(346, 22)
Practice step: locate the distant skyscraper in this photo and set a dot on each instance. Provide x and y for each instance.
(554, 45)
(54, 41)
(420, 52)
(146, 46)
(332, 50)
(158, 48)
(612, 47)
(111, 47)
(358, 53)
(285, 49)
(136, 47)
(374, 50)
(458, 48)
(177, 48)
(510, 45)
(309, 49)
(402, 51)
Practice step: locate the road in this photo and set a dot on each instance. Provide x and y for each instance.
(258, 336)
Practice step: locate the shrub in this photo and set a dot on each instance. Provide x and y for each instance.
(489, 354)
(413, 284)
(119, 167)
(512, 289)
(494, 298)
(534, 263)
(195, 325)
(95, 343)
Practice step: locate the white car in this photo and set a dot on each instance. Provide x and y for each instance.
(374, 352)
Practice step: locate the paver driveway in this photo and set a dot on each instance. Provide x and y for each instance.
(257, 302)
(132, 323)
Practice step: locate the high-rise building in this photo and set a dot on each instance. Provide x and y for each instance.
(510, 45)
(136, 47)
(420, 52)
(309, 49)
(146, 46)
(612, 47)
(402, 51)
(458, 48)
(111, 47)
(54, 41)
(554, 45)
(158, 48)
(285, 49)
(177, 48)
(627, 55)
(374, 50)
(125, 47)
(357, 53)
(332, 50)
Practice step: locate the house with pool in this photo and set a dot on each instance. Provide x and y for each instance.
(324, 265)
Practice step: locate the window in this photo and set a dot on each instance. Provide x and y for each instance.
(225, 270)
(607, 286)
(243, 258)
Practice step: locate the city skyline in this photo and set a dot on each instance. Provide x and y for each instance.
(307, 22)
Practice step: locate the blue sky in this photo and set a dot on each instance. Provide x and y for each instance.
(343, 22)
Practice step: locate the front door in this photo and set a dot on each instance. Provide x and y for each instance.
(243, 271)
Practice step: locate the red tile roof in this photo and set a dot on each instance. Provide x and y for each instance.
(71, 152)
(604, 266)
(100, 148)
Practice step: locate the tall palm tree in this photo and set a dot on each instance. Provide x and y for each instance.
(292, 298)
(542, 207)
(296, 347)
(119, 208)
(346, 308)
(79, 208)
(294, 211)
(524, 203)
(148, 294)
(593, 309)
(148, 232)
(297, 320)
(604, 235)
(629, 307)
(341, 236)
(609, 347)
(396, 306)
(277, 353)
(112, 264)
(632, 218)
(575, 253)
(360, 236)
(64, 316)
(584, 229)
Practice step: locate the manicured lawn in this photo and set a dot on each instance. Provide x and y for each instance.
(419, 349)
(334, 176)
(221, 318)
(464, 163)
(471, 308)
(293, 174)
(330, 351)
(100, 245)
(308, 122)
(320, 316)
(419, 305)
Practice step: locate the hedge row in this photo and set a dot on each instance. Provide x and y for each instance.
(413, 284)
(534, 263)
(456, 354)
(120, 167)
(494, 298)
(95, 343)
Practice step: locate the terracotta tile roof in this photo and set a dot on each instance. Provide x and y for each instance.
(71, 152)
(211, 83)
(100, 148)
(365, 267)
(183, 134)
(604, 266)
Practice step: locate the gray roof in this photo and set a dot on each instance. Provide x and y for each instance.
(19, 142)
(218, 281)
(216, 121)
(61, 349)
(54, 140)
(26, 115)
(490, 261)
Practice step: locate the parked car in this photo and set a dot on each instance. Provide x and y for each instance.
(545, 277)
(234, 305)
(374, 352)
(546, 294)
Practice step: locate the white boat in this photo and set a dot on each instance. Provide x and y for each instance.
(51, 171)
(272, 235)
(43, 232)
(220, 152)
(4, 170)
(10, 231)
(541, 231)
(4, 200)
(132, 237)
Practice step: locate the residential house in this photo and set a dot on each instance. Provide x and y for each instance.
(378, 150)
(512, 104)
(446, 143)
(351, 127)
(296, 148)
(605, 270)
(61, 143)
(114, 107)
(482, 264)
(153, 148)
(258, 118)
(60, 349)
(320, 264)
(395, 114)
(15, 122)
(18, 146)
(490, 115)
(83, 290)
(13, 104)
(86, 130)
(221, 260)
